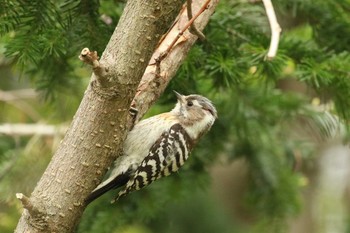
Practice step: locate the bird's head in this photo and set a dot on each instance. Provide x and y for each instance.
(195, 111)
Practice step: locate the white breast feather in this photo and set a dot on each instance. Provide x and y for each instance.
(200, 126)
(140, 140)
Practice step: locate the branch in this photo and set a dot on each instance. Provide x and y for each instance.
(26, 203)
(32, 129)
(275, 29)
(152, 86)
(91, 58)
(193, 29)
(183, 29)
(41, 218)
(14, 95)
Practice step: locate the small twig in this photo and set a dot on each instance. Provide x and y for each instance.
(275, 29)
(26, 203)
(154, 82)
(193, 29)
(189, 23)
(91, 58)
(40, 218)
(158, 61)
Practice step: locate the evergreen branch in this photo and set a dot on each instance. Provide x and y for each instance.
(43, 32)
(9, 16)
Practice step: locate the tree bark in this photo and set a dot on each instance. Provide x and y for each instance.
(99, 127)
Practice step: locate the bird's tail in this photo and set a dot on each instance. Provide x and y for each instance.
(107, 185)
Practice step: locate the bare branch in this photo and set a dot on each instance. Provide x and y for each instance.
(26, 203)
(17, 95)
(153, 85)
(275, 29)
(91, 58)
(32, 129)
(181, 32)
(193, 29)
(41, 218)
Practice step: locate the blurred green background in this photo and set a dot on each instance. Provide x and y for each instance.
(276, 160)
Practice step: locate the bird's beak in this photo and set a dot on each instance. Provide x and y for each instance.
(180, 97)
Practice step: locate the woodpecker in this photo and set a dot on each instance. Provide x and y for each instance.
(159, 145)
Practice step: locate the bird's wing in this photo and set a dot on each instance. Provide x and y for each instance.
(166, 155)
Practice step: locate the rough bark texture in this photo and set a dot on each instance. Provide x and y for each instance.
(99, 126)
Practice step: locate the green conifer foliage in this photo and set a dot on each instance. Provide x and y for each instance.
(258, 117)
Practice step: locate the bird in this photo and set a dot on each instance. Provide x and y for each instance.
(158, 146)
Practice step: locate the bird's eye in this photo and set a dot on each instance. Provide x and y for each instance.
(189, 103)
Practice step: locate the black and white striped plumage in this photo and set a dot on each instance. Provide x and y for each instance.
(159, 145)
(167, 155)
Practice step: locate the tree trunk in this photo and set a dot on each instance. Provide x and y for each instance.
(99, 127)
